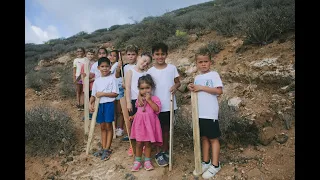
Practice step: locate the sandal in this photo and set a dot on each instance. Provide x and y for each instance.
(98, 153)
(105, 154)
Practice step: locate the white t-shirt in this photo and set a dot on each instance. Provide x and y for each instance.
(113, 72)
(77, 62)
(94, 69)
(126, 68)
(106, 84)
(164, 80)
(134, 83)
(208, 106)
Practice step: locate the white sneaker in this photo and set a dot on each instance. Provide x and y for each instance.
(211, 171)
(119, 132)
(204, 167)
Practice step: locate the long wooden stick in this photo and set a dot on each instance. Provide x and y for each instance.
(171, 131)
(123, 104)
(93, 124)
(86, 98)
(196, 134)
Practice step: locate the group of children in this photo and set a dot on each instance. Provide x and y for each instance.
(147, 92)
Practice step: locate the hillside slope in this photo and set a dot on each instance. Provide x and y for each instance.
(258, 82)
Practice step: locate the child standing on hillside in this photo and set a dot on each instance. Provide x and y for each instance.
(77, 78)
(94, 71)
(114, 57)
(166, 77)
(208, 85)
(146, 128)
(131, 90)
(105, 88)
(89, 62)
(131, 55)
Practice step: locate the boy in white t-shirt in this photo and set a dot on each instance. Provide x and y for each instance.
(208, 86)
(105, 88)
(94, 71)
(131, 56)
(167, 81)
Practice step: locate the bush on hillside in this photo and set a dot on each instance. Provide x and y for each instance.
(38, 80)
(180, 41)
(47, 131)
(66, 86)
(234, 129)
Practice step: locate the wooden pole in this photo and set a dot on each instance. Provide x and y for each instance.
(171, 131)
(124, 108)
(86, 98)
(196, 134)
(93, 124)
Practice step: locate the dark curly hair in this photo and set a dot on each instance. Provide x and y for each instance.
(148, 80)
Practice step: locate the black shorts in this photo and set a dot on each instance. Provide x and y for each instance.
(164, 118)
(134, 108)
(90, 94)
(209, 128)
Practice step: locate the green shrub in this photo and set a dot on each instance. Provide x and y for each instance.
(174, 42)
(47, 131)
(234, 129)
(180, 33)
(38, 80)
(215, 47)
(66, 86)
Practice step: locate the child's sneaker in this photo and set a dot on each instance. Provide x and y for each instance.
(165, 156)
(136, 166)
(106, 154)
(130, 151)
(148, 166)
(160, 160)
(204, 167)
(119, 132)
(126, 139)
(211, 171)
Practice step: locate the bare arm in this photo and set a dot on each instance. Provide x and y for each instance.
(153, 105)
(210, 90)
(74, 74)
(176, 85)
(91, 104)
(104, 94)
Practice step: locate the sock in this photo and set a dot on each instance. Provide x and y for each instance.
(147, 159)
(138, 159)
(207, 162)
(215, 165)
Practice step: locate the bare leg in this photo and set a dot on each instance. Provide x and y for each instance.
(78, 88)
(147, 150)
(139, 145)
(165, 137)
(215, 145)
(81, 95)
(109, 133)
(119, 114)
(205, 148)
(103, 135)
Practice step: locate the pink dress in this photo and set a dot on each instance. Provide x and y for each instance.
(146, 125)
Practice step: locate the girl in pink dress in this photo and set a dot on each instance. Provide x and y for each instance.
(146, 128)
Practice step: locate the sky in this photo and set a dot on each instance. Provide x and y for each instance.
(51, 19)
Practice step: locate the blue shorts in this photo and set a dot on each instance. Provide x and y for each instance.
(105, 113)
(121, 93)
